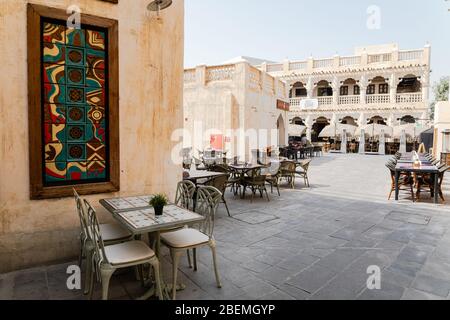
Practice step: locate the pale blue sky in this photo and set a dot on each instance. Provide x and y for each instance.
(218, 30)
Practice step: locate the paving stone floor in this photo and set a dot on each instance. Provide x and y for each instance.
(314, 243)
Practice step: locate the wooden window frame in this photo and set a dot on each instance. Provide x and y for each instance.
(343, 91)
(38, 190)
(356, 90)
(383, 88)
(371, 89)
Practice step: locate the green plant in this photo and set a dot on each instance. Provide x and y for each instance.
(158, 201)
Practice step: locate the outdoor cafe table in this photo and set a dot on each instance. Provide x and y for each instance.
(242, 169)
(422, 169)
(195, 175)
(136, 215)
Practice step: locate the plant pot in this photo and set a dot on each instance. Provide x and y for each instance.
(159, 210)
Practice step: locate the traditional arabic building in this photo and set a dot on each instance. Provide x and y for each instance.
(378, 84)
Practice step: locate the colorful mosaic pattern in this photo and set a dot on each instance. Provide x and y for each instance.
(74, 105)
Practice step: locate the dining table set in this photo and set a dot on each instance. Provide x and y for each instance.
(138, 217)
(417, 165)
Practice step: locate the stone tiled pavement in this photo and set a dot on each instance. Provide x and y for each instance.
(312, 243)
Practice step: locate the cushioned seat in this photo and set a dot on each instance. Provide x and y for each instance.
(128, 252)
(184, 238)
(113, 232)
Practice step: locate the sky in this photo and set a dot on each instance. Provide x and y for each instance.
(217, 31)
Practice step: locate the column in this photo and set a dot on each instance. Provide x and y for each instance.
(363, 84)
(393, 83)
(336, 86)
(309, 124)
(310, 88)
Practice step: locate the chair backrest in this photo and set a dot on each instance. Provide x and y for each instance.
(94, 230)
(305, 165)
(287, 166)
(274, 168)
(391, 168)
(185, 194)
(219, 182)
(208, 199)
(81, 214)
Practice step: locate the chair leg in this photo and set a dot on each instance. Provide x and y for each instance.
(216, 271)
(175, 262)
(155, 264)
(226, 206)
(390, 194)
(106, 277)
(91, 281)
(195, 259)
(188, 253)
(278, 189)
(89, 271)
(80, 258)
(267, 194)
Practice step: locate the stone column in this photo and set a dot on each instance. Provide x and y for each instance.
(335, 85)
(363, 84)
(393, 83)
(310, 88)
(309, 124)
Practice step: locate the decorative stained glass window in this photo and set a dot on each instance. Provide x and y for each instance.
(74, 104)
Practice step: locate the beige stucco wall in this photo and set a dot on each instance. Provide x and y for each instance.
(231, 103)
(151, 69)
(441, 123)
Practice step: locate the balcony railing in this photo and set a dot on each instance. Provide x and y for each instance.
(409, 97)
(378, 98)
(349, 61)
(410, 55)
(349, 99)
(299, 65)
(323, 101)
(295, 102)
(275, 67)
(324, 63)
(356, 99)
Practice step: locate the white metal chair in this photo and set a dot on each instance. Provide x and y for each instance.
(108, 259)
(111, 234)
(208, 199)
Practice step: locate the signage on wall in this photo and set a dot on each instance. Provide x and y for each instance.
(309, 104)
(282, 105)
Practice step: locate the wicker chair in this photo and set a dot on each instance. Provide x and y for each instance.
(221, 184)
(272, 174)
(303, 171)
(406, 180)
(287, 171)
(256, 181)
(427, 182)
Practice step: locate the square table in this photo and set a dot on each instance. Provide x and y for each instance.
(411, 168)
(136, 215)
(195, 175)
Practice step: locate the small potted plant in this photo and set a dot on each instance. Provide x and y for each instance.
(158, 202)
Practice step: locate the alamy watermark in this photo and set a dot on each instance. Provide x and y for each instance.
(374, 280)
(74, 280)
(374, 17)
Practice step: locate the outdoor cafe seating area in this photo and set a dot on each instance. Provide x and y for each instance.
(134, 242)
(417, 174)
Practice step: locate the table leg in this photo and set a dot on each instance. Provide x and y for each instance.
(397, 191)
(436, 188)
